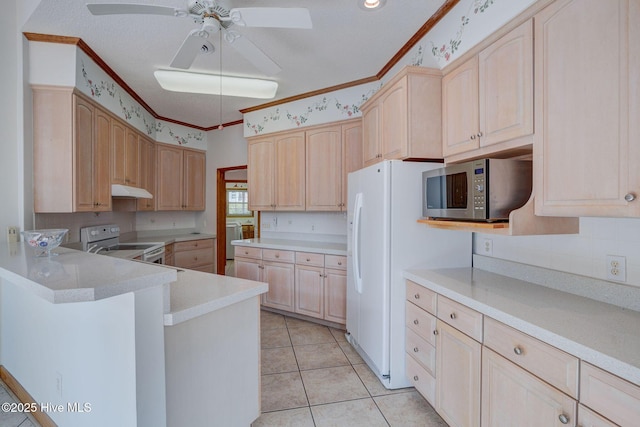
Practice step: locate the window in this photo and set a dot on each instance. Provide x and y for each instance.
(238, 202)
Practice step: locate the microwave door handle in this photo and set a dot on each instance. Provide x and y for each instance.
(357, 213)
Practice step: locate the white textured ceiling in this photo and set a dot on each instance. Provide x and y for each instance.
(345, 44)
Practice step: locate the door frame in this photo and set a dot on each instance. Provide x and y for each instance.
(221, 217)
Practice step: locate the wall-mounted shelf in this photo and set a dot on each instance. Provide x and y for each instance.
(522, 222)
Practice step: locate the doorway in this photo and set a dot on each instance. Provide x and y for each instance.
(234, 220)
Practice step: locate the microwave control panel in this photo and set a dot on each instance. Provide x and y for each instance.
(479, 185)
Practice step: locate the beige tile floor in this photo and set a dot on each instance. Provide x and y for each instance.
(311, 376)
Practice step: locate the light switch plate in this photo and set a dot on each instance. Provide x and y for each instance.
(13, 233)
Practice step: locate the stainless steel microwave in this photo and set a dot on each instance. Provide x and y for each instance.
(480, 190)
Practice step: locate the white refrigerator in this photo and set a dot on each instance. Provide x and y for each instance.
(383, 239)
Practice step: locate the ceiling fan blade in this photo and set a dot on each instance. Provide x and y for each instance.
(250, 51)
(190, 48)
(273, 17)
(126, 9)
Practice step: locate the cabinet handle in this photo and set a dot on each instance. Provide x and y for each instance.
(277, 255)
(416, 296)
(563, 419)
(452, 316)
(415, 378)
(308, 259)
(435, 332)
(473, 137)
(517, 350)
(339, 262)
(630, 197)
(479, 134)
(416, 349)
(195, 258)
(415, 322)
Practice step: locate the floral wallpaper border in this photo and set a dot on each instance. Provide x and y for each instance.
(109, 94)
(426, 53)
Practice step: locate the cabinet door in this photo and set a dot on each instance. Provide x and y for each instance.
(83, 179)
(512, 396)
(460, 114)
(335, 296)
(131, 159)
(280, 277)
(118, 149)
(587, 59)
(247, 268)
(101, 160)
(261, 175)
(309, 295)
(458, 365)
(351, 154)
(195, 166)
(588, 418)
(505, 72)
(394, 121)
(290, 172)
(371, 152)
(147, 173)
(169, 180)
(324, 169)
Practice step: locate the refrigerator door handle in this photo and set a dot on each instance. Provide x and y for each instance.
(357, 212)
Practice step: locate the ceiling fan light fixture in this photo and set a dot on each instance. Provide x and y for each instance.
(370, 5)
(213, 84)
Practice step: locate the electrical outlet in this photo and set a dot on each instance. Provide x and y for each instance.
(616, 268)
(487, 247)
(12, 233)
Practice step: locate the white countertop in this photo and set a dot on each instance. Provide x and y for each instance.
(169, 238)
(195, 294)
(328, 248)
(76, 276)
(602, 334)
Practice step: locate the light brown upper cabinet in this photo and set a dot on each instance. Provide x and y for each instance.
(403, 119)
(71, 152)
(147, 173)
(276, 172)
(587, 136)
(125, 154)
(181, 178)
(331, 153)
(488, 100)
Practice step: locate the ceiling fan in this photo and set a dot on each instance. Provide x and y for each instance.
(214, 17)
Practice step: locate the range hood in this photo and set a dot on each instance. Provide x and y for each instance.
(118, 190)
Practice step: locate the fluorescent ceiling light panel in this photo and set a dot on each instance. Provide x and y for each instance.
(182, 81)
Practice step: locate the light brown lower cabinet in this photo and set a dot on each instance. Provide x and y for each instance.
(504, 377)
(307, 283)
(511, 396)
(195, 255)
(458, 377)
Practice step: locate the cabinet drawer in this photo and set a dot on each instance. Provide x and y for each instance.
(335, 261)
(418, 348)
(588, 418)
(421, 322)
(197, 257)
(421, 296)
(193, 244)
(611, 396)
(277, 255)
(248, 252)
(309, 258)
(461, 317)
(554, 366)
(420, 378)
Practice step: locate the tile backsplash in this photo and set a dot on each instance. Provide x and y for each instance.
(584, 253)
(75, 221)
